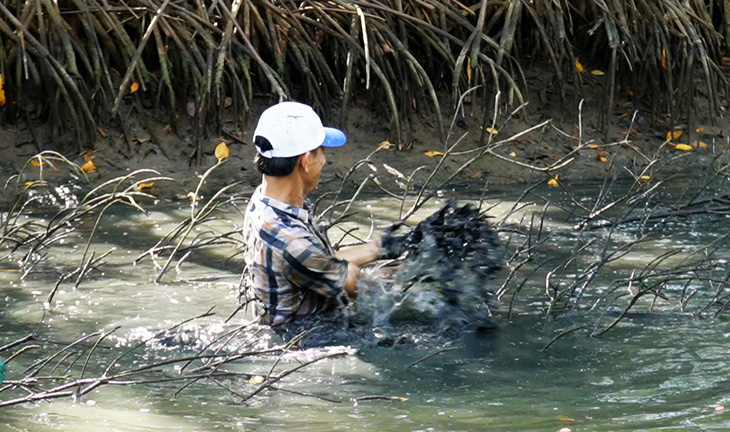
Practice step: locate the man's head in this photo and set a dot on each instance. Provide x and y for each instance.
(287, 134)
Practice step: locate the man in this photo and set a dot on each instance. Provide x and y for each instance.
(291, 265)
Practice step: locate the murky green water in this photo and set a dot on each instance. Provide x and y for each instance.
(658, 370)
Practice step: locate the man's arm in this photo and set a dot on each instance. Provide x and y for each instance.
(361, 254)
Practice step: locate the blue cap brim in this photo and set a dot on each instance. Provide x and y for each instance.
(333, 137)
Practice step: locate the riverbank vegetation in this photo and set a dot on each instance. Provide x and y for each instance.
(84, 63)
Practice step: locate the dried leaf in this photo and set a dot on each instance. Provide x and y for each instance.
(385, 144)
(513, 154)
(578, 66)
(221, 152)
(36, 162)
(468, 70)
(433, 153)
(700, 144)
(102, 132)
(256, 380)
(167, 128)
(2, 92)
(143, 186)
(134, 87)
(629, 92)
(683, 147)
(492, 131)
(476, 175)
(597, 72)
(566, 419)
(88, 155)
(192, 197)
(602, 158)
(664, 58)
(592, 145)
(88, 166)
(645, 178)
(672, 135)
(553, 181)
(700, 129)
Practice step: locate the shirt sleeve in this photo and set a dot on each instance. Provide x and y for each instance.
(311, 266)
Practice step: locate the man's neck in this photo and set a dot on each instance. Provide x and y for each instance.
(286, 189)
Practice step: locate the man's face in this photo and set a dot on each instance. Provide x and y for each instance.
(316, 161)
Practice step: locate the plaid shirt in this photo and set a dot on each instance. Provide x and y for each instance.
(290, 264)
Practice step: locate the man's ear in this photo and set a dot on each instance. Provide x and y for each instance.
(303, 161)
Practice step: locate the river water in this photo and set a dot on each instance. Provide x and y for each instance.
(660, 368)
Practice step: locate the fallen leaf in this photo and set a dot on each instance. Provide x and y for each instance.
(645, 178)
(578, 66)
(554, 156)
(256, 380)
(385, 144)
(683, 147)
(192, 197)
(492, 131)
(101, 132)
(672, 135)
(513, 154)
(167, 128)
(36, 162)
(134, 87)
(476, 175)
(221, 152)
(88, 166)
(2, 92)
(143, 186)
(592, 145)
(629, 92)
(597, 72)
(566, 419)
(664, 58)
(699, 144)
(602, 158)
(553, 181)
(433, 153)
(700, 129)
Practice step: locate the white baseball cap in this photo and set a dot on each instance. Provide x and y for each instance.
(293, 129)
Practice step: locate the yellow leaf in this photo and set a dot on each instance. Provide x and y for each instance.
(597, 72)
(143, 186)
(645, 178)
(468, 70)
(476, 175)
(2, 92)
(699, 144)
(256, 380)
(433, 153)
(664, 58)
(221, 152)
(102, 132)
(134, 87)
(513, 154)
(683, 147)
(167, 128)
(672, 135)
(579, 67)
(36, 162)
(592, 145)
(700, 129)
(602, 158)
(88, 166)
(553, 181)
(492, 131)
(385, 144)
(566, 419)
